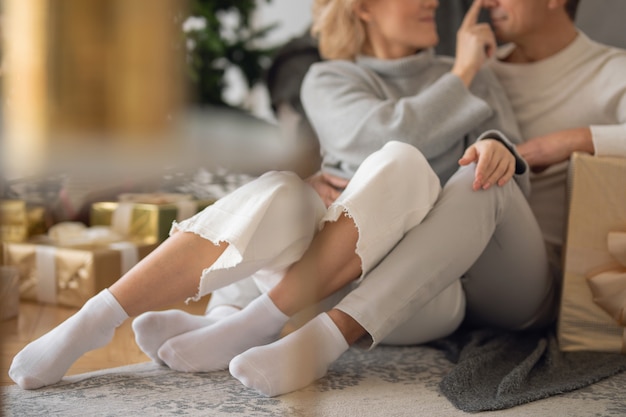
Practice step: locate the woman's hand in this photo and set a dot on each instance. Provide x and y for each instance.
(329, 187)
(495, 164)
(475, 42)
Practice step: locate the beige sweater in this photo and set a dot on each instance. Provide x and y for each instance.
(583, 85)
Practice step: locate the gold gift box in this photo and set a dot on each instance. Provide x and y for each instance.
(13, 221)
(597, 207)
(19, 220)
(9, 292)
(79, 271)
(147, 221)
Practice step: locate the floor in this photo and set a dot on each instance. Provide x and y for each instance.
(35, 319)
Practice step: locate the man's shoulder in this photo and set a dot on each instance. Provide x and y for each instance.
(593, 49)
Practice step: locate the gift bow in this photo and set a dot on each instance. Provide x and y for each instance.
(76, 234)
(609, 288)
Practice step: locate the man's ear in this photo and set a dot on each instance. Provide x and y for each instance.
(556, 4)
(361, 10)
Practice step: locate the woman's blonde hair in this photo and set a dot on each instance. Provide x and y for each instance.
(339, 30)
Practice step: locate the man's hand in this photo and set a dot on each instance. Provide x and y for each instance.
(495, 164)
(475, 43)
(329, 187)
(544, 151)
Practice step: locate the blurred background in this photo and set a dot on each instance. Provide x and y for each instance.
(101, 97)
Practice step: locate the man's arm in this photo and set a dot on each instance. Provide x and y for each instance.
(543, 151)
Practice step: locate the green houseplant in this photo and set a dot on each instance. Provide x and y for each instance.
(218, 35)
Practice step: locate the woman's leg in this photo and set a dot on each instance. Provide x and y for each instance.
(147, 286)
(371, 215)
(419, 270)
(170, 273)
(288, 224)
(392, 191)
(154, 328)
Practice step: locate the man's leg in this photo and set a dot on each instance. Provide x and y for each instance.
(511, 285)
(443, 248)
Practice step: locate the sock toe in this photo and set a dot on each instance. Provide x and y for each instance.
(250, 376)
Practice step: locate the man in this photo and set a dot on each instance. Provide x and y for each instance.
(568, 94)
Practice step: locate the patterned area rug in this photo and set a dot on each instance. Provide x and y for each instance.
(387, 381)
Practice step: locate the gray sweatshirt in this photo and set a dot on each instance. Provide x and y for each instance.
(356, 107)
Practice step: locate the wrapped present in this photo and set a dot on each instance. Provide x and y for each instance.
(593, 301)
(13, 221)
(72, 263)
(145, 216)
(9, 292)
(19, 220)
(37, 220)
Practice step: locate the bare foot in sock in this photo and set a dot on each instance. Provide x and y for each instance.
(211, 348)
(45, 360)
(292, 362)
(154, 328)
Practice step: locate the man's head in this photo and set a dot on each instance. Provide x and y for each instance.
(516, 20)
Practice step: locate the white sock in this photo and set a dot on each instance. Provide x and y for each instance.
(211, 348)
(45, 360)
(292, 362)
(154, 328)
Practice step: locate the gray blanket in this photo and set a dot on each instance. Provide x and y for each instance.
(497, 370)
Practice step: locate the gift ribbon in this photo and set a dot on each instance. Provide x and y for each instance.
(45, 269)
(68, 234)
(185, 209)
(121, 219)
(609, 288)
(129, 255)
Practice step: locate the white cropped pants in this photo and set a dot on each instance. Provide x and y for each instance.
(270, 222)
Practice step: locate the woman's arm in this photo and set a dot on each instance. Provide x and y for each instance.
(354, 113)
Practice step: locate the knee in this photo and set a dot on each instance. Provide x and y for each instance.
(284, 186)
(461, 185)
(280, 180)
(403, 156)
(402, 163)
(290, 197)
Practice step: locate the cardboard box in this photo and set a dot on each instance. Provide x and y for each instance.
(70, 275)
(597, 207)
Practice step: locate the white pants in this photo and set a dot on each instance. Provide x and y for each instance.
(270, 222)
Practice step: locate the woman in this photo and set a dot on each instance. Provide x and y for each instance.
(378, 87)
(268, 229)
